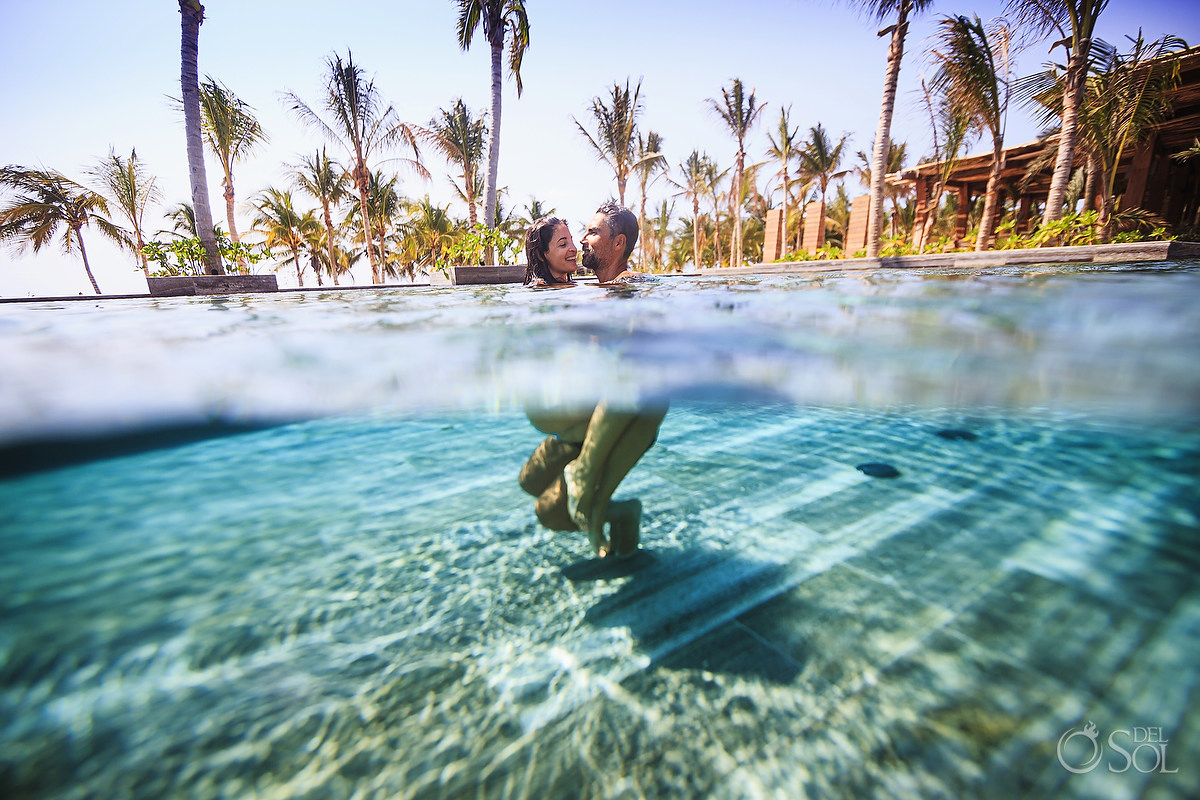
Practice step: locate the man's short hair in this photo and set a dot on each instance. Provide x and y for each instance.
(621, 220)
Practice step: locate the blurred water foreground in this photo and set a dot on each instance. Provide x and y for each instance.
(361, 603)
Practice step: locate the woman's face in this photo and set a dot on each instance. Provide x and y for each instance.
(560, 256)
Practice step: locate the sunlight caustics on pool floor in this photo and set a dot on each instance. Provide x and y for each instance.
(366, 607)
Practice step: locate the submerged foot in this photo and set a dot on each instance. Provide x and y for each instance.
(624, 521)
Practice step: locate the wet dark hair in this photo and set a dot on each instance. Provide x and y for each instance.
(621, 220)
(537, 244)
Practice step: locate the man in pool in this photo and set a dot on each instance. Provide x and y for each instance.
(610, 238)
(576, 469)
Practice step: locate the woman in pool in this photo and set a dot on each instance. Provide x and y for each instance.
(551, 253)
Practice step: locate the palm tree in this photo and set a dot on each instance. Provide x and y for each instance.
(192, 14)
(739, 111)
(882, 10)
(785, 148)
(46, 202)
(325, 181)
(498, 18)
(616, 132)
(1074, 22)
(651, 165)
(951, 124)
(819, 163)
(460, 138)
(430, 230)
(384, 205)
(1125, 94)
(974, 75)
(692, 185)
(282, 226)
(661, 225)
(231, 133)
(713, 176)
(362, 124)
(897, 155)
(133, 189)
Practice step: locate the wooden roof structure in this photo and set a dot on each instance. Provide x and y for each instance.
(1147, 175)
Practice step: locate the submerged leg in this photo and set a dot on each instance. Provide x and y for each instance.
(545, 464)
(615, 441)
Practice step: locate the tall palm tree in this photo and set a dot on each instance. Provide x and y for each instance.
(974, 75)
(231, 133)
(133, 188)
(325, 181)
(460, 137)
(616, 136)
(882, 10)
(498, 18)
(739, 111)
(820, 161)
(693, 185)
(1074, 23)
(785, 147)
(192, 15)
(362, 124)
(46, 202)
(651, 165)
(282, 226)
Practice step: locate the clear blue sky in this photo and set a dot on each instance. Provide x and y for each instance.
(81, 77)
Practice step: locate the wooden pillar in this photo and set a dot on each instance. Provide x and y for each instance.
(1023, 209)
(921, 190)
(1139, 174)
(773, 236)
(963, 190)
(814, 227)
(856, 231)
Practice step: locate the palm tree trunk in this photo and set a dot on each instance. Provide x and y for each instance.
(991, 197)
(783, 236)
(696, 230)
(642, 229)
(1104, 223)
(1089, 187)
(137, 231)
(192, 14)
(333, 270)
(86, 267)
(489, 202)
(361, 184)
(735, 200)
(1065, 158)
(884, 131)
(299, 265)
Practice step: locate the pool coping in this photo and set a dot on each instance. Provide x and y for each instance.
(1136, 252)
(1079, 254)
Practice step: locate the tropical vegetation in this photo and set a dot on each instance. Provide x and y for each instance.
(344, 202)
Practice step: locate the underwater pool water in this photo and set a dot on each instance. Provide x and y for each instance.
(356, 599)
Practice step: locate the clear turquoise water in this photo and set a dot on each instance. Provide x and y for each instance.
(358, 600)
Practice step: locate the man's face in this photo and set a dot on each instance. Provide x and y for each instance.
(600, 248)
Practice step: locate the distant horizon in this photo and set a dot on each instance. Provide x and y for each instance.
(77, 107)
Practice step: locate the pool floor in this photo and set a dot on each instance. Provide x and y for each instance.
(368, 608)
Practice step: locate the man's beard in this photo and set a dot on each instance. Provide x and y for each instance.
(591, 260)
